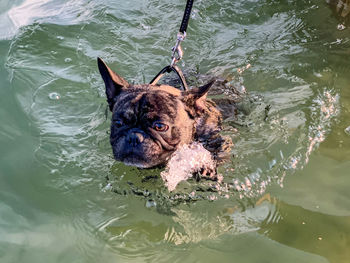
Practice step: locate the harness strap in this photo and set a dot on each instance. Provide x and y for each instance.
(168, 69)
(177, 52)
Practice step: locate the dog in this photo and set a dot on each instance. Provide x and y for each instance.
(341, 7)
(150, 122)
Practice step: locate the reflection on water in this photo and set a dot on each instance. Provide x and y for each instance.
(309, 231)
(293, 65)
(312, 232)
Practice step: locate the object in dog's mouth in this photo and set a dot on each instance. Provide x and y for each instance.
(187, 161)
(150, 122)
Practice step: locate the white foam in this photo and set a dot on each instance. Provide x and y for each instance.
(187, 160)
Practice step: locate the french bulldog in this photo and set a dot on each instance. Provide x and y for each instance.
(150, 122)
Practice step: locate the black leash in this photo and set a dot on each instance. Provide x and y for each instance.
(186, 17)
(177, 52)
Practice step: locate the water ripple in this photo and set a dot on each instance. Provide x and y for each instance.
(290, 110)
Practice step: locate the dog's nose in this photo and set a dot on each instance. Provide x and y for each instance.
(135, 138)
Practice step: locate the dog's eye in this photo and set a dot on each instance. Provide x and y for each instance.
(118, 123)
(159, 126)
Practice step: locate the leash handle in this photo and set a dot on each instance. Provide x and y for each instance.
(186, 17)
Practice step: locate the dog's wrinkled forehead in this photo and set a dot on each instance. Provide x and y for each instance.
(153, 103)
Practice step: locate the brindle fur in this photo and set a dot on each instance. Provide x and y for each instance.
(189, 116)
(341, 7)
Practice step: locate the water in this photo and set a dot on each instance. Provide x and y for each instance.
(285, 194)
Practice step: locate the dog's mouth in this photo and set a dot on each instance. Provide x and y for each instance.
(152, 151)
(137, 164)
(142, 156)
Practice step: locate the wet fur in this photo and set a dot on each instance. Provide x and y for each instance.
(189, 116)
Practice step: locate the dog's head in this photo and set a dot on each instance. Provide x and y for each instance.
(149, 122)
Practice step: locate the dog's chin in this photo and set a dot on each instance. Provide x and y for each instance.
(141, 161)
(146, 155)
(141, 164)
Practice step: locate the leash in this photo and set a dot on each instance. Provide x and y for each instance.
(177, 52)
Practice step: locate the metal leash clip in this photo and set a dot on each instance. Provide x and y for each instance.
(177, 50)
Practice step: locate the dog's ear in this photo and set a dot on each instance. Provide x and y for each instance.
(114, 83)
(195, 98)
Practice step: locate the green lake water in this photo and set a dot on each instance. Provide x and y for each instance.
(64, 199)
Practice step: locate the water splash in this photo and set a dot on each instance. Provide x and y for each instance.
(347, 130)
(326, 108)
(186, 161)
(319, 119)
